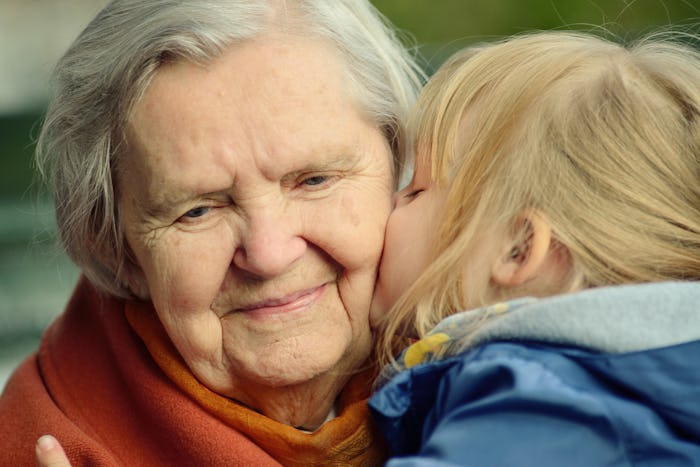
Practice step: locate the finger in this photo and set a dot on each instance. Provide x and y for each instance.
(49, 453)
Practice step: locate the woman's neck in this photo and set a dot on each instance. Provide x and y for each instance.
(304, 406)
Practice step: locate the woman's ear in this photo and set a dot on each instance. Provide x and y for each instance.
(525, 252)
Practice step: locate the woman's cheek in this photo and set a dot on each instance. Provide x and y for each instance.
(190, 267)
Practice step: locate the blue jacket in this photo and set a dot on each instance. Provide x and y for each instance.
(604, 377)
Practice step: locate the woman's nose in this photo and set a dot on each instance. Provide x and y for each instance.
(270, 244)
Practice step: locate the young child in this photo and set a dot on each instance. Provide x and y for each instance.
(551, 165)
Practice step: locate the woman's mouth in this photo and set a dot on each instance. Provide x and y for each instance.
(288, 303)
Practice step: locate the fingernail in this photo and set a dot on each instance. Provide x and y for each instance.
(46, 443)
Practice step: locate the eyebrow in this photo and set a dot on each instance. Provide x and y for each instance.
(346, 160)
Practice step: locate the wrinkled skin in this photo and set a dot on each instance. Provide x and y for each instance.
(254, 196)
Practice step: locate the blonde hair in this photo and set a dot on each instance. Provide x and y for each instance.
(602, 139)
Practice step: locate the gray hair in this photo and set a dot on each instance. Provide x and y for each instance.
(109, 66)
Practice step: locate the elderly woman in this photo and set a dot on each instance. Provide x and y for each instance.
(222, 173)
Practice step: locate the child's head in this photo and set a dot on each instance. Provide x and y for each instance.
(551, 162)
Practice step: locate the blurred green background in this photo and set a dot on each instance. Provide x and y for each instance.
(440, 27)
(36, 278)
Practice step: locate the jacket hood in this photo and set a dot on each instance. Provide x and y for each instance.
(628, 318)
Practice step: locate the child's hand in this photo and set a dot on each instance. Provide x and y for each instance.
(49, 453)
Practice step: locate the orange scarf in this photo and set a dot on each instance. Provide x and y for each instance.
(348, 439)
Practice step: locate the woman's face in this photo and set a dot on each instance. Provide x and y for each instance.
(408, 238)
(255, 204)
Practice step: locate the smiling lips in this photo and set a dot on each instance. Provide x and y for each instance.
(285, 304)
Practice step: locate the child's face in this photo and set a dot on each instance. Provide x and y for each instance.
(408, 238)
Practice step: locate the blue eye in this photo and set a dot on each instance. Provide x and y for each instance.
(316, 180)
(197, 212)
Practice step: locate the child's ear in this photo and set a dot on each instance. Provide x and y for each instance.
(524, 253)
